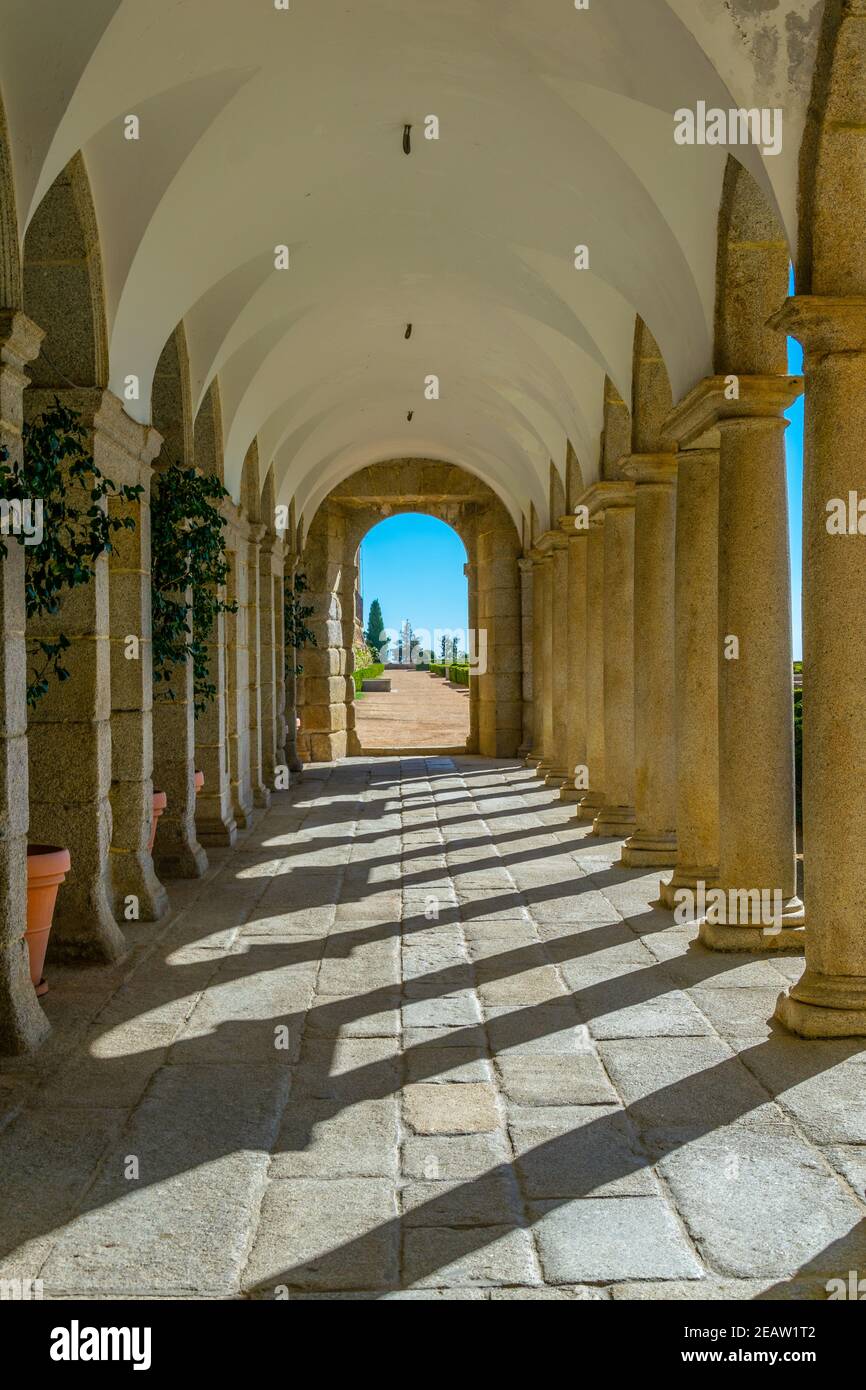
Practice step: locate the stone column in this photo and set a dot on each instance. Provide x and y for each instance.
(829, 1000)
(593, 799)
(267, 659)
(536, 757)
(261, 794)
(757, 865)
(280, 726)
(653, 842)
(470, 569)
(238, 678)
(525, 567)
(558, 685)
(23, 1025)
(214, 820)
(129, 450)
(616, 500)
(544, 581)
(69, 737)
(695, 677)
(293, 762)
(575, 699)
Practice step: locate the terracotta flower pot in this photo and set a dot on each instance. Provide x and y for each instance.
(160, 801)
(47, 867)
(199, 781)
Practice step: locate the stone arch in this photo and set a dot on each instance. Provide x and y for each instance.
(11, 288)
(171, 401)
(651, 395)
(63, 284)
(574, 483)
(615, 432)
(751, 278)
(251, 488)
(493, 545)
(208, 434)
(831, 256)
(556, 495)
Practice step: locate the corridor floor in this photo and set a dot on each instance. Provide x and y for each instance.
(418, 1036)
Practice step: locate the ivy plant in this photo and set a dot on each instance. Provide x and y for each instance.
(298, 635)
(58, 478)
(189, 566)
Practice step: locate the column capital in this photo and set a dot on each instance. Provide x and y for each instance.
(710, 404)
(651, 468)
(20, 338)
(824, 323)
(573, 527)
(607, 495)
(524, 564)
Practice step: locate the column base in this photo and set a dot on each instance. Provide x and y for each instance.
(616, 821)
(531, 760)
(824, 1006)
(261, 798)
(182, 861)
(649, 849)
(569, 792)
(132, 875)
(688, 879)
(23, 1025)
(786, 933)
(589, 806)
(555, 777)
(220, 834)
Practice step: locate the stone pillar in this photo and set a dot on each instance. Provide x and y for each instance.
(238, 678)
(267, 659)
(261, 794)
(653, 842)
(130, 449)
(536, 757)
(526, 645)
(470, 569)
(757, 865)
(497, 646)
(576, 670)
(279, 600)
(544, 583)
(695, 679)
(558, 645)
(322, 691)
(593, 799)
(829, 1000)
(293, 762)
(616, 500)
(23, 1025)
(69, 735)
(214, 819)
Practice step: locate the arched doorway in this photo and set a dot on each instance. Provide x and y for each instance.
(329, 562)
(412, 577)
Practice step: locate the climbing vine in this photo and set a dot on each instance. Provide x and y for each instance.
(54, 502)
(189, 566)
(298, 635)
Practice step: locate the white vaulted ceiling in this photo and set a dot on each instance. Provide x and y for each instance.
(261, 127)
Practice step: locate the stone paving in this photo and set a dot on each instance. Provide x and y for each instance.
(419, 1036)
(420, 712)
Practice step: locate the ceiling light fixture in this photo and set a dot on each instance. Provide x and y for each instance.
(409, 416)
(407, 139)
(408, 333)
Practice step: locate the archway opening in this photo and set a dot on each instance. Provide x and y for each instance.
(412, 620)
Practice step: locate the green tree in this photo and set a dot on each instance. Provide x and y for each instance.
(375, 628)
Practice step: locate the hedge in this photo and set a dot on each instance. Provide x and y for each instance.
(366, 673)
(458, 675)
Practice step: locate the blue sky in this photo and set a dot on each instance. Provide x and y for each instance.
(413, 564)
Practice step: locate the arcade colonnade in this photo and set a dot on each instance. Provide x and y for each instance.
(637, 617)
